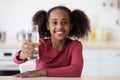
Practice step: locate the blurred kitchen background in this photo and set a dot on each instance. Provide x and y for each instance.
(101, 49)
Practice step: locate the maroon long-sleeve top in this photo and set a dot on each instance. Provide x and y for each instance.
(68, 62)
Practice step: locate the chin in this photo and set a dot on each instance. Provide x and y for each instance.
(61, 38)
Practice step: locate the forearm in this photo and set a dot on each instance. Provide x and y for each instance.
(37, 73)
(43, 72)
(34, 73)
(68, 71)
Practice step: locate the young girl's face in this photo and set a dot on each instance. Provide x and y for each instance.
(59, 24)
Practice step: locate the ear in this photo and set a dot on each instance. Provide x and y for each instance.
(47, 26)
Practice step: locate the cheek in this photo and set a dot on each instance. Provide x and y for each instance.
(67, 28)
(51, 29)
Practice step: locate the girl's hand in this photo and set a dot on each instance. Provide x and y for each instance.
(28, 74)
(27, 50)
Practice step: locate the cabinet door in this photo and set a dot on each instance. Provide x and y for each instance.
(91, 62)
(110, 62)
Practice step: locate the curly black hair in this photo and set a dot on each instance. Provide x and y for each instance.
(80, 21)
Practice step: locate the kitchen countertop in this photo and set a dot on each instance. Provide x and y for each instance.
(9, 46)
(86, 44)
(60, 78)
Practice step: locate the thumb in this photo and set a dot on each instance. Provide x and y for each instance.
(36, 45)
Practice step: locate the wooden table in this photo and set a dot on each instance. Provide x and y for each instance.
(60, 78)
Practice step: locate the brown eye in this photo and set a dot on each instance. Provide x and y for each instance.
(64, 22)
(55, 23)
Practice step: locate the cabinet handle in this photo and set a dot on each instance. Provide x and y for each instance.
(7, 54)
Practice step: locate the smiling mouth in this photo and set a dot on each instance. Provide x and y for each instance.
(59, 32)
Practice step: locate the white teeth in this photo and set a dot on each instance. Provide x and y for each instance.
(59, 32)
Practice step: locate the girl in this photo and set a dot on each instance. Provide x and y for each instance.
(59, 55)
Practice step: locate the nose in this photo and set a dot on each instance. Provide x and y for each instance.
(60, 25)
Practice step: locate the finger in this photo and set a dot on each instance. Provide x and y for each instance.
(17, 76)
(35, 52)
(24, 75)
(28, 48)
(27, 45)
(26, 41)
(29, 51)
(35, 45)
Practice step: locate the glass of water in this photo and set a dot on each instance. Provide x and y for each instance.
(33, 35)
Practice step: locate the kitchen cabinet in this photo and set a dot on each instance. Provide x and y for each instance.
(7, 65)
(91, 62)
(101, 62)
(110, 62)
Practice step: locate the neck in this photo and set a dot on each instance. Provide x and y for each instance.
(57, 44)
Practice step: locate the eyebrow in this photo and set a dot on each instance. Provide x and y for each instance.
(62, 19)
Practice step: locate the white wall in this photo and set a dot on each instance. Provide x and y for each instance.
(15, 15)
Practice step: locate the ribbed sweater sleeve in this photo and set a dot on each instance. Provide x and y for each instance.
(75, 69)
(16, 60)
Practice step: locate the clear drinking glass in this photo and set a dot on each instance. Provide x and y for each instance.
(33, 35)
